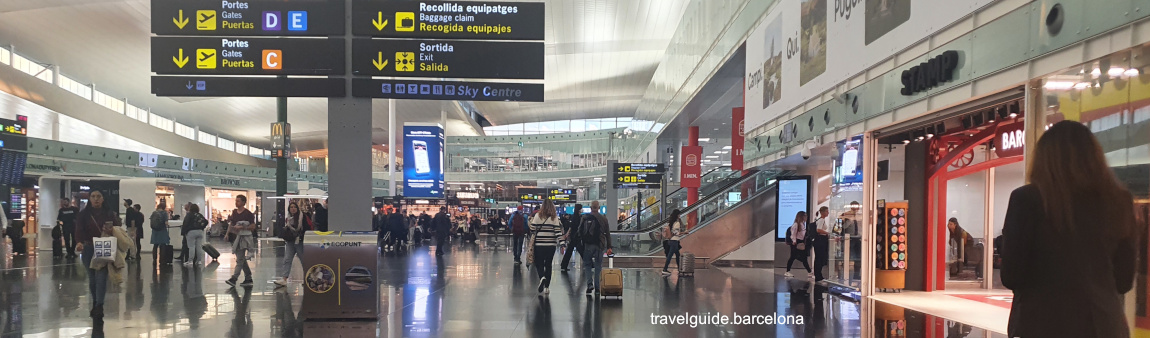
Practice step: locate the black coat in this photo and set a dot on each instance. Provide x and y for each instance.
(1067, 285)
(442, 224)
(396, 222)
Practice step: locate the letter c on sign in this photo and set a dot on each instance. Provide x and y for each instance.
(273, 59)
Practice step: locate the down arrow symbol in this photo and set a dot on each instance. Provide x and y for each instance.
(190, 85)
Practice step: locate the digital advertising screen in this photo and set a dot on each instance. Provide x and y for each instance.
(850, 164)
(793, 197)
(423, 160)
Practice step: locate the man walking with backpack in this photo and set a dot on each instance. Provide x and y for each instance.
(570, 227)
(518, 224)
(595, 234)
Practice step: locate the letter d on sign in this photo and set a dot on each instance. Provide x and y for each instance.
(272, 21)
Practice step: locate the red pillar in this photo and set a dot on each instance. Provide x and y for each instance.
(692, 193)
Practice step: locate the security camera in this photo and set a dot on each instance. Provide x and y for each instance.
(805, 150)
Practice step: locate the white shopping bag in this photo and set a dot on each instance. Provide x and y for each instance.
(104, 248)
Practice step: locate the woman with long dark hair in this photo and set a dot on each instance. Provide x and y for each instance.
(293, 246)
(1069, 241)
(96, 220)
(673, 232)
(797, 241)
(159, 224)
(545, 224)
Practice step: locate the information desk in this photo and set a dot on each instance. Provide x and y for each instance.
(339, 275)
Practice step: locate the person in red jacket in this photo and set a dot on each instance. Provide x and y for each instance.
(96, 220)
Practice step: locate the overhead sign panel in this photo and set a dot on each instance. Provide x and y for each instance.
(447, 90)
(247, 18)
(247, 56)
(447, 59)
(449, 20)
(247, 86)
(14, 133)
(638, 175)
(532, 195)
(561, 196)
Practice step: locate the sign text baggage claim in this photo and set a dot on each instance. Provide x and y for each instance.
(433, 48)
(446, 27)
(234, 54)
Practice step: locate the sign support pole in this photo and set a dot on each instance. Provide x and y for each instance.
(391, 142)
(281, 166)
(612, 199)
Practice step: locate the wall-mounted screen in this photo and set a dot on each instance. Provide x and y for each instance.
(793, 197)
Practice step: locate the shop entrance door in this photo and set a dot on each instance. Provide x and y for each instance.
(969, 191)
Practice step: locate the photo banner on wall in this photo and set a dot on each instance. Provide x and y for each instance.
(806, 47)
(423, 160)
(691, 166)
(737, 133)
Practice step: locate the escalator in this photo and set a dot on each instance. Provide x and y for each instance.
(727, 219)
(711, 181)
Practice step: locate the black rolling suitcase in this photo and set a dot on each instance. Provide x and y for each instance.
(165, 254)
(211, 250)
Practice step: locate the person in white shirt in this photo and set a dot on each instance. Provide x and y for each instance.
(798, 244)
(821, 242)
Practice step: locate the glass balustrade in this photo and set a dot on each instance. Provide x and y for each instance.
(649, 239)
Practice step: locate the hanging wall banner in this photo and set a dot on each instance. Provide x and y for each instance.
(423, 160)
(691, 166)
(806, 47)
(737, 134)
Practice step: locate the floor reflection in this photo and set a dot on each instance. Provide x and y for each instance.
(475, 290)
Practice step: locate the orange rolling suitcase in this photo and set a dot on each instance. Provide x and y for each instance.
(611, 280)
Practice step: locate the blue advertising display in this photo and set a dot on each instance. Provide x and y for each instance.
(793, 197)
(423, 160)
(850, 164)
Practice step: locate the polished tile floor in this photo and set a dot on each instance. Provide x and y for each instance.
(474, 291)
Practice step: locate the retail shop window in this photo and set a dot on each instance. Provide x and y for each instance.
(1111, 95)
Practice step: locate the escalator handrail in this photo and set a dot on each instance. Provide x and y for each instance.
(708, 198)
(672, 193)
(704, 224)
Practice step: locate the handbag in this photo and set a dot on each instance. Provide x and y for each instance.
(531, 244)
(103, 250)
(289, 234)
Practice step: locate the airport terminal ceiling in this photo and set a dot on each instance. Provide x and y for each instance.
(600, 58)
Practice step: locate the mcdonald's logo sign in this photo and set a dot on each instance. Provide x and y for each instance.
(281, 138)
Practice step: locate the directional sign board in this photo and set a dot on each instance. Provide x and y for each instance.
(447, 90)
(448, 20)
(560, 196)
(532, 195)
(247, 86)
(247, 56)
(447, 58)
(247, 18)
(638, 175)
